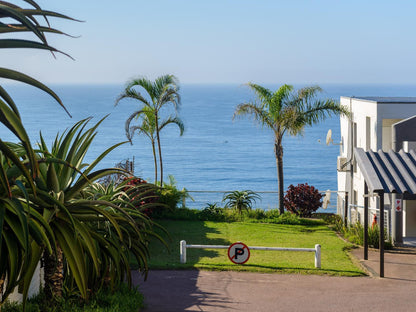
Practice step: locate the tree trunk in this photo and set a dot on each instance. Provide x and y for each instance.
(278, 149)
(54, 273)
(154, 159)
(159, 148)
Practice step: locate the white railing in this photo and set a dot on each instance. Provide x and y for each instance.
(317, 250)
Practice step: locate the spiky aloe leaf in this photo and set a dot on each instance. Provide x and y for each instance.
(18, 76)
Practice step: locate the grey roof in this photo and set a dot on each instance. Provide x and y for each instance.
(391, 172)
(386, 99)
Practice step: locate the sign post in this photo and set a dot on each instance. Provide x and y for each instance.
(238, 253)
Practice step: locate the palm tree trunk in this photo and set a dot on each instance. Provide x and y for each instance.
(53, 273)
(278, 149)
(159, 148)
(154, 159)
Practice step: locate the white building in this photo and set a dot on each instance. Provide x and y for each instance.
(372, 124)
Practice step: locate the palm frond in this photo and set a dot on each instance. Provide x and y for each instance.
(317, 111)
(259, 114)
(262, 93)
(130, 93)
(173, 120)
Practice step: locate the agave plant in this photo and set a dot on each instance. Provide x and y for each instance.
(95, 233)
(240, 200)
(20, 20)
(63, 176)
(20, 225)
(116, 260)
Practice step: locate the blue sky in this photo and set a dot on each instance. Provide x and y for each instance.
(229, 41)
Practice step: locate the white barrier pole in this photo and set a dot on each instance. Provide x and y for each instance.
(318, 256)
(182, 247)
(317, 250)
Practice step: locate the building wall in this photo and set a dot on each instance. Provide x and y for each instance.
(34, 288)
(371, 121)
(409, 229)
(364, 125)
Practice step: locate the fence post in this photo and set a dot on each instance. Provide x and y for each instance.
(182, 248)
(317, 256)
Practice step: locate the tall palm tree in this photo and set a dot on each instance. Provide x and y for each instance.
(159, 93)
(287, 111)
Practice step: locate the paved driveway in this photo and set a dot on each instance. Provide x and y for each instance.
(192, 290)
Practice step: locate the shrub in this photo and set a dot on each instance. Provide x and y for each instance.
(212, 212)
(123, 299)
(215, 213)
(302, 200)
(170, 196)
(257, 214)
(355, 234)
(142, 195)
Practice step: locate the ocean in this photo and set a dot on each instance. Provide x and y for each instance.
(215, 153)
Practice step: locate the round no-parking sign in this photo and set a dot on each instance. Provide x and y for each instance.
(238, 253)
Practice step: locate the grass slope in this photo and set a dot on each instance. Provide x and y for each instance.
(335, 258)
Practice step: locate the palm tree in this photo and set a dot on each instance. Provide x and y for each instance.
(148, 128)
(287, 111)
(161, 92)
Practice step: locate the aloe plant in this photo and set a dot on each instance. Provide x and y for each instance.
(96, 230)
(240, 200)
(22, 228)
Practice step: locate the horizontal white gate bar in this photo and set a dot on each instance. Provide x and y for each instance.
(317, 250)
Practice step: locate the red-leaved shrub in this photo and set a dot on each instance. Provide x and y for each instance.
(142, 194)
(302, 200)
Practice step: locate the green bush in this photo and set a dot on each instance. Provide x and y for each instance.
(170, 196)
(214, 213)
(122, 300)
(328, 218)
(355, 234)
(177, 214)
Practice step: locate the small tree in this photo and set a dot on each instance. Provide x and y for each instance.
(240, 200)
(302, 200)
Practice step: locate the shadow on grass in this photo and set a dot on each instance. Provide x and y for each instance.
(193, 232)
(177, 290)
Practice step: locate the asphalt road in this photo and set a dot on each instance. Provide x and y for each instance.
(192, 290)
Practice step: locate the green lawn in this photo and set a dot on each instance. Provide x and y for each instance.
(335, 258)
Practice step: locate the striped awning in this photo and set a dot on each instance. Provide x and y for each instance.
(391, 172)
